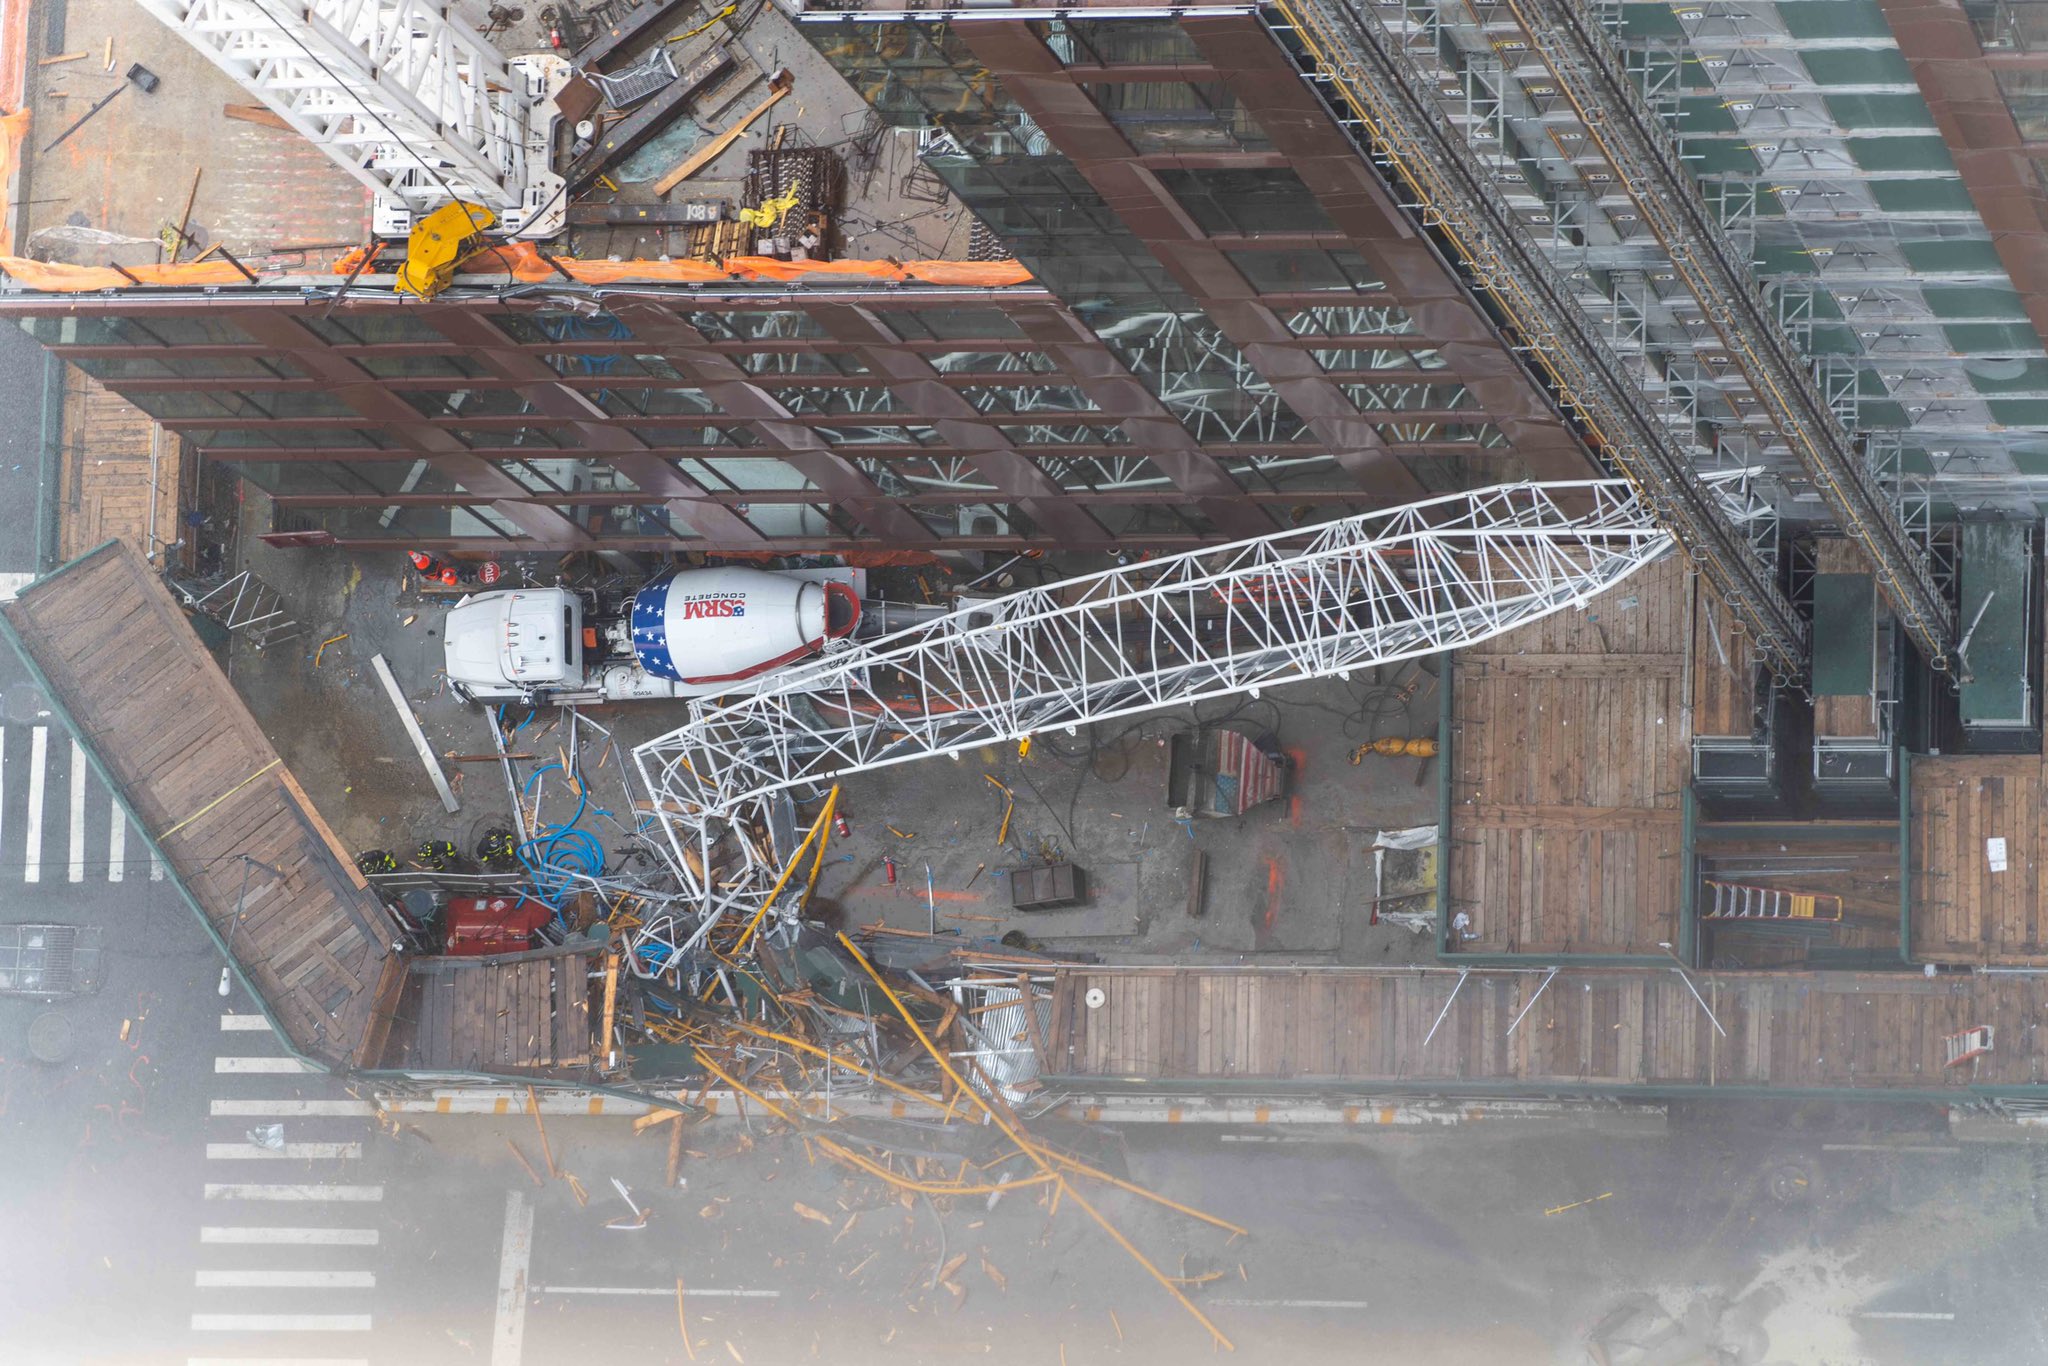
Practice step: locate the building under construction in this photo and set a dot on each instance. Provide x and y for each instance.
(1671, 379)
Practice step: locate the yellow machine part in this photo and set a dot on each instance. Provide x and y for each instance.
(770, 213)
(1420, 747)
(438, 243)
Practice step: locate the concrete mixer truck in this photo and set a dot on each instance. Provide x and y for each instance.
(685, 633)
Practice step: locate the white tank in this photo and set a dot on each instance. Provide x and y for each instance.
(729, 624)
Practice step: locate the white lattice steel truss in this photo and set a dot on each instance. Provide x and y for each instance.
(405, 95)
(1298, 605)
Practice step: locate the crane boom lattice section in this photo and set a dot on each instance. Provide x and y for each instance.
(1296, 605)
(407, 96)
(1384, 99)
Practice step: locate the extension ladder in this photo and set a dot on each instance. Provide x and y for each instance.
(1739, 901)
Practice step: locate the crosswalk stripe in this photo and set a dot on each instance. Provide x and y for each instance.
(355, 1194)
(248, 1022)
(3, 785)
(259, 1065)
(275, 1361)
(77, 831)
(156, 865)
(285, 1109)
(117, 841)
(325, 1237)
(284, 1280)
(227, 1152)
(281, 1323)
(38, 759)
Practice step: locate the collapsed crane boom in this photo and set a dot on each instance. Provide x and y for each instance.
(407, 96)
(1288, 607)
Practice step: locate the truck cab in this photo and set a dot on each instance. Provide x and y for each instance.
(508, 645)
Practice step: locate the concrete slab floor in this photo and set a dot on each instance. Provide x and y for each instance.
(1292, 877)
(110, 190)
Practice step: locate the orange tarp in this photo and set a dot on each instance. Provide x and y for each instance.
(522, 262)
(54, 277)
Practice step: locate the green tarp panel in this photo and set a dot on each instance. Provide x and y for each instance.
(1998, 581)
(1844, 635)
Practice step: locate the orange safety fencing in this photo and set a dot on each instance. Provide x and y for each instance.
(523, 262)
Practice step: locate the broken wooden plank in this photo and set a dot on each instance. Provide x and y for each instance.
(419, 739)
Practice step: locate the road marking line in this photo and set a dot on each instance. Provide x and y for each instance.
(508, 1332)
(259, 1065)
(1904, 1314)
(1886, 1148)
(12, 582)
(327, 1237)
(156, 865)
(284, 1280)
(77, 811)
(3, 784)
(244, 1022)
(281, 1323)
(275, 1361)
(275, 1109)
(117, 841)
(695, 1292)
(232, 1152)
(1291, 1304)
(231, 1192)
(38, 758)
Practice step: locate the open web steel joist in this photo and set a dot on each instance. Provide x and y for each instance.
(1384, 99)
(1296, 605)
(1604, 111)
(406, 96)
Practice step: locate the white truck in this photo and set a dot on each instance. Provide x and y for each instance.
(685, 633)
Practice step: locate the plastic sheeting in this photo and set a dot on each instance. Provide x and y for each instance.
(54, 277)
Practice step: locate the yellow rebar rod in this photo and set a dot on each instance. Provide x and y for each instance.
(1031, 1150)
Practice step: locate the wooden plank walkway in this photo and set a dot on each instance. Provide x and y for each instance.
(1569, 757)
(205, 784)
(105, 471)
(1593, 1028)
(511, 1014)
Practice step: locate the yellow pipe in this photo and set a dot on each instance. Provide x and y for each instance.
(1031, 1150)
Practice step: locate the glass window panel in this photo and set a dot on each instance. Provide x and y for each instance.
(810, 362)
(792, 521)
(1339, 359)
(1178, 116)
(741, 324)
(1246, 201)
(950, 324)
(666, 436)
(908, 435)
(978, 362)
(1483, 434)
(1291, 272)
(189, 367)
(1376, 397)
(371, 327)
(283, 438)
(761, 474)
(444, 365)
(1351, 321)
(1119, 42)
(499, 402)
(488, 438)
(655, 402)
(561, 325)
(1064, 434)
(1037, 398)
(834, 401)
